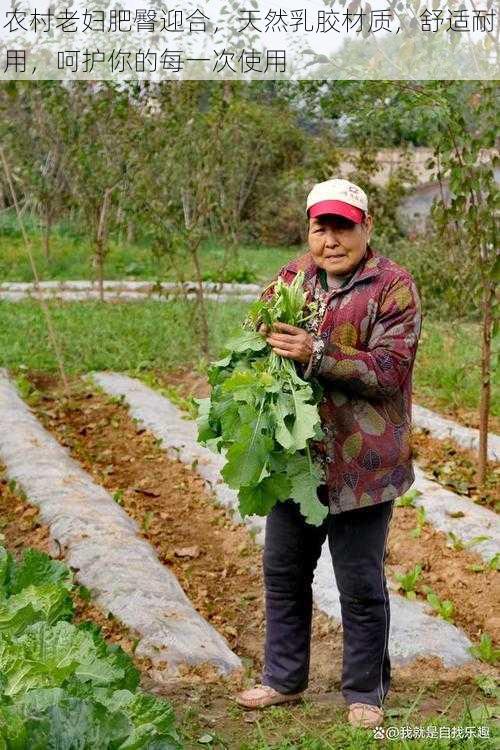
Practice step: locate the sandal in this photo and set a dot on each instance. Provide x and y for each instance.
(261, 696)
(365, 715)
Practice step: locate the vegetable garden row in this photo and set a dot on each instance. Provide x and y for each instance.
(451, 578)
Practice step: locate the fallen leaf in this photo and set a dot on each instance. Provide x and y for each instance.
(188, 551)
(455, 513)
(30, 512)
(206, 739)
(251, 717)
(147, 493)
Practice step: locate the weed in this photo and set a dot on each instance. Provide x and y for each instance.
(421, 521)
(488, 685)
(27, 391)
(458, 544)
(118, 400)
(492, 564)
(84, 593)
(118, 497)
(147, 520)
(485, 651)
(444, 607)
(408, 499)
(408, 581)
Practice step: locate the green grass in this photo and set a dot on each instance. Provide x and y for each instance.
(314, 727)
(448, 366)
(157, 335)
(141, 336)
(71, 259)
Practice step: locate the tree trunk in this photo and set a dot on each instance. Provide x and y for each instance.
(201, 301)
(99, 263)
(119, 224)
(101, 242)
(484, 409)
(46, 236)
(130, 232)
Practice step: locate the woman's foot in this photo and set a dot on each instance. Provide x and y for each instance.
(365, 715)
(261, 696)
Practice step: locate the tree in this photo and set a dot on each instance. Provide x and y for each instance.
(102, 134)
(463, 154)
(33, 122)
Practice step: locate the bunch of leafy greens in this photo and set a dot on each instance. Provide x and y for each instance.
(262, 415)
(61, 685)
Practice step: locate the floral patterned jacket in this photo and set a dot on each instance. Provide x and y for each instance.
(365, 338)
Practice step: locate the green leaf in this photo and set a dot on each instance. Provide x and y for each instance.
(73, 723)
(296, 420)
(15, 616)
(6, 569)
(261, 498)
(47, 655)
(50, 602)
(247, 341)
(247, 458)
(305, 479)
(151, 718)
(222, 363)
(230, 418)
(13, 732)
(205, 431)
(243, 385)
(284, 408)
(114, 654)
(38, 568)
(306, 419)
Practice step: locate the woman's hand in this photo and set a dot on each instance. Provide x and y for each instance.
(290, 341)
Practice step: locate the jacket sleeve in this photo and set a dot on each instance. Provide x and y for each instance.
(379, 369)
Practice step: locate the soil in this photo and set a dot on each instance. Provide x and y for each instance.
(475, 595)
(455, 467)
(219, 565)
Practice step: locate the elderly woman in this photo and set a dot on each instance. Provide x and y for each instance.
(361, 347)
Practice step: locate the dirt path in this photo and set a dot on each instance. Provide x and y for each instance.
(219, 565)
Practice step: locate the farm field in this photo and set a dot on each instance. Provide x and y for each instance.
(216, 561)
(218, 565)
(147, 426)
(446, 376)
(70, 261)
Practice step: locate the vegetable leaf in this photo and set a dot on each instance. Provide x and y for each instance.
(262, 415)
(37, 568)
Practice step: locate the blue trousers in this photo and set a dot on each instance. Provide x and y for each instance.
(357, 541)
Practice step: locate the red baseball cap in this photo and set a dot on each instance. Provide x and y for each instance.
(339, 197)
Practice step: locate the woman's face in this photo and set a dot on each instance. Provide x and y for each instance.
(338, 244)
